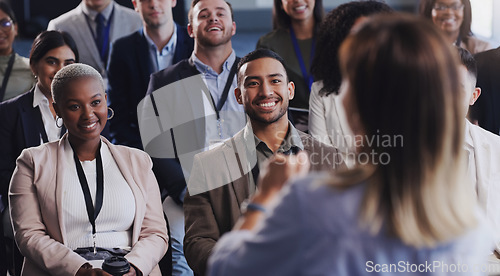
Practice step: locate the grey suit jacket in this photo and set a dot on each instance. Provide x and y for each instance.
(124, 22)
(220, 181)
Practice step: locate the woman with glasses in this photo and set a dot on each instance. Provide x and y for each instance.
(454, 18)
(15, 74)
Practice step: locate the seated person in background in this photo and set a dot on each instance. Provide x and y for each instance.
(224, 177)
(295, 24)
(15, 74)
(29, 120)
(327, 121)
(454, 18)
(414, 207)
(190, 107)
(50, 203)
(483, 149)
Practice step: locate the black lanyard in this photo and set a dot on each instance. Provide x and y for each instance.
(225, 93)
(91, 212)
(10, 64)
(308, 78)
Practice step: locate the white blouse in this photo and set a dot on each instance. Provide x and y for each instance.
(115, 220)
(328, 122)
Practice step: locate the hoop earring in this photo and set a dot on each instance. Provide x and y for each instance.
(57, 120)
(112, 113)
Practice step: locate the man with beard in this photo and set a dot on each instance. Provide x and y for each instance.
(224, 177)
(190, 107)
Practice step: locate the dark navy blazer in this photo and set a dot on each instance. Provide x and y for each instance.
(129, 70)
(21, 127)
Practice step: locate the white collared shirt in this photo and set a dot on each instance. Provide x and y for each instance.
(49, 122)
(165, 57)
(232, 115)
(91, 15)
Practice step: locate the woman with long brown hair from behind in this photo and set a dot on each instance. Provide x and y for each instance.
(406, 203)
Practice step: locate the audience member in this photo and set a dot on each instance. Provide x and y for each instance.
(454, 18)
(135, 57)
(190, 107)
(482, 147)
(295, 24)
(486, 111)
(52, 196)
(327, 121)
(415, 207)
(95, 25)
(224, 177)
(15, 71)
(29, 119)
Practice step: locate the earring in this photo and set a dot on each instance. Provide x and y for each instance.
(57, 120)
(112, 113)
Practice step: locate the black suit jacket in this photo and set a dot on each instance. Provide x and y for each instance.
(486, 110)
(129, 70)
(21, 127)
(168, 171)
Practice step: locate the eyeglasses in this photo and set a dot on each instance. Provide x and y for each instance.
(442, 7)
(6, 24)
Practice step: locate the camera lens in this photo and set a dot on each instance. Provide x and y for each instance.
(116, 266)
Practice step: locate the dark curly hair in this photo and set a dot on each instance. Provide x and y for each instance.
(281, 20)
(332, 32)
(425, 10)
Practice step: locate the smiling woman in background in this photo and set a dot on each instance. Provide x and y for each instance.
(295, 24)
(454, 18)
(15, 73)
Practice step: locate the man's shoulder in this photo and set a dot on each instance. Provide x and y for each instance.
(24, 99)
(312, 143)
(321, 156)
(485, 136)
(181, 70)
(487, 57)
(66, 18)
(219, 151)
(129, 41)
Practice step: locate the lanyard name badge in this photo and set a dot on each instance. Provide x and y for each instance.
(222, 101)
(308, 78)
(91, 211)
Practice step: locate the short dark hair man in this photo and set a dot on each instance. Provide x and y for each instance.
(222, 178)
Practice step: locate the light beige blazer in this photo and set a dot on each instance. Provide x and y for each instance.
(35, 197)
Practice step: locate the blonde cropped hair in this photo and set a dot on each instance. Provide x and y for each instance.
(72, 72)
(404, 81)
